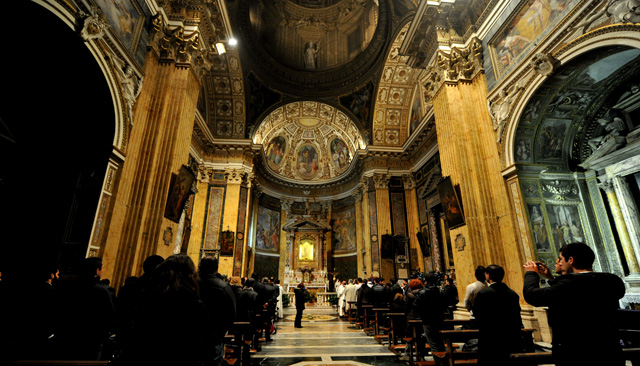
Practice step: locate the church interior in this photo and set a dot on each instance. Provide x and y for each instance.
(306, 140)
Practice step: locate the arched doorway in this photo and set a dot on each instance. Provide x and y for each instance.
(55, 139)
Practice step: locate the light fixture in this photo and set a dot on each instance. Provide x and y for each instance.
(233, 41)
(220, 48)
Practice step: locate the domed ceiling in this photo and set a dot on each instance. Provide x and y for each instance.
(308, 141)
(314, 35)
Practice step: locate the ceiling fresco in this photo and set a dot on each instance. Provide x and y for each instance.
(567, 118)
(308, 141)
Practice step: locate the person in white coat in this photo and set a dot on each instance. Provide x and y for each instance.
(349, 295)
(279, 310)
(341, 301)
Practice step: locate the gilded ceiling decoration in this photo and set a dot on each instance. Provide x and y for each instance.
(399, 105)
(308, 141)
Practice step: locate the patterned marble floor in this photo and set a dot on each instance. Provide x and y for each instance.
(324, 339)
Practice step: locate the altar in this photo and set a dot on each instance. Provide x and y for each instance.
(315, 280)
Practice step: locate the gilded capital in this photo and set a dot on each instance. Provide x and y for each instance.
(234, 176)
(285, 205)
(408, 181)
(174, 44)
(451, 67)
(381, 181)
(204, 174)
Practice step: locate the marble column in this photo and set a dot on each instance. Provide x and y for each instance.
(286, 240)
(621, 227)
(413, 219)
(383, 217)
(327, 237)
(367, 228)
(163, 119)
(359, 230)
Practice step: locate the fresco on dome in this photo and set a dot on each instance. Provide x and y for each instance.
(268, 232)
(307, 164)
(344, 230)
(276, 150)
(340, 154)
(535, 18)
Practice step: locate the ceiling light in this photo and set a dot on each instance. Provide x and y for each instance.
(233, 41)
(220, 48)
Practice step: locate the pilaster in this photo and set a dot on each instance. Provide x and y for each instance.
(413, 218)
(358, 195)
(286, 239)
(233, 177)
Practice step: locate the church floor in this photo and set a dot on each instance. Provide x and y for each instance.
(324, 339)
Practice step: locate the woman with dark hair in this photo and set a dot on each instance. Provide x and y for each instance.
(415, 285)
(166, 327)
(301, 296)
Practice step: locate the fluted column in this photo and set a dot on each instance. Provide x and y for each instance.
(621, 226)
(413, 218)
(469, 156)
(359, 230)
(163, 119)
(366, 223)
(286, 239)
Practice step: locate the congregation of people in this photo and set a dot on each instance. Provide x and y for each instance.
(173, 314)
(582, 308)
(177, 314)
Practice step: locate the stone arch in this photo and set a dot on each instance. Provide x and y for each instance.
(622, 35)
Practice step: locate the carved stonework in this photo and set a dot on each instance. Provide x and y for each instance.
(93, 26)
(233, 176)
(408, 181)
(544, 64)
(381, 181)
(624, 11)
(326, 206)
(458, 64)
(500, 110)
(130, 82)
(285, 205)
(173, 44)
(606, 186)
(204, 174)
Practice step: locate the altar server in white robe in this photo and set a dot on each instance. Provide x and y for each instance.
(341, 297)
(349, 295)
(279, 309)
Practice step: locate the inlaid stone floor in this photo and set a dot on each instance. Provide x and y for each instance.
(324, 339)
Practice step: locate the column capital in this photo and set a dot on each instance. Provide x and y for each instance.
(358, 194)
(381, 180)
(408, 181)
(607, 186)
(326, 206)
(285, 205)
(174, 44)
(461, 63)
(204, 173)
(233, 175)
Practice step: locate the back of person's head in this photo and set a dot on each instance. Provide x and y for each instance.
(398, 297)
(235, 281)
(89, 266)
(301, 285)
(249, 282)
(177, 273)
(377, 280)
(131, 281)
(277, 282)
(208, 265)
(449, 281)
(415, 284)
(105, 282)
(495, 272)
(255, 276)
(265, 280)
(149, 265)
(479, 273)
(359, 280)
(350, 281)
(393, 281)
(582, 255)
(430, 278)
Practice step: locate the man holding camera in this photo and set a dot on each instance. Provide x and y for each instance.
(582, 308)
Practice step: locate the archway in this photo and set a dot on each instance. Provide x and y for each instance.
(57, 133)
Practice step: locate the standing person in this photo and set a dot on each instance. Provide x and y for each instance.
(87, 314)
(301, 296)
(349, 295)
(341, 298)
(497, 311)
(474, 288)
(220, 301)
(431, 305)
(582, 308)
(450, 292)
(279, 309)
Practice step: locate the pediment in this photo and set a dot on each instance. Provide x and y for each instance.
(305, 224)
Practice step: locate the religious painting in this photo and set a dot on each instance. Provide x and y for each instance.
(359, 102)
(344, 230)
(307, 163)
(538, 228)
(276, 150)
(268, 231)
(551, 138)
(226, 243)
(416, 113)
(305, 250)
(180, 188)
(398, 218)
(422, 209)
(213, 220)
(450, 203)
(126, 19)
(423, 241)
(530, 22)
(565, 225)
(340, 154)
(530, 190)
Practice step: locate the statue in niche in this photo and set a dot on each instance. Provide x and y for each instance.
(612, 129)
(311, 55)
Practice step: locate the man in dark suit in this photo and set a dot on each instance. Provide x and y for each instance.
(582, 308)
(497, 311)
(220, 301)
(300, 294)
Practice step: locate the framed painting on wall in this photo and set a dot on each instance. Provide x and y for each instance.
(450, 203)
(179, 190)
(126, 19)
